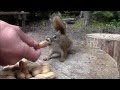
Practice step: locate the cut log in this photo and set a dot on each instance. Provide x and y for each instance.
(69, 20)
(110, 43)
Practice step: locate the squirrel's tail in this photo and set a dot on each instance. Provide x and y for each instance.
(58, 24)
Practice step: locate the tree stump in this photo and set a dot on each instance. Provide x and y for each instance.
(110, 43)
(85, 64)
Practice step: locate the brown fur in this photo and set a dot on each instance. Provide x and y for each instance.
(59, 43)
(58, 24)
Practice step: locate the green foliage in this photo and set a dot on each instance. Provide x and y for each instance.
(70, 13)
(104, 27)
(77, 24)
(103, 15)
(107, 14)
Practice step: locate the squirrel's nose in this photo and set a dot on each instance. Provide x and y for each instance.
(48, 39)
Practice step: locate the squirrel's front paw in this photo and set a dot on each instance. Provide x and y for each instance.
(62, 59)
(45, 59)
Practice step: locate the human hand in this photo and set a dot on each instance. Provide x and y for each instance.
(15, 45)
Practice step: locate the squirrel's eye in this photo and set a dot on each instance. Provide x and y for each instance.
(55, 37)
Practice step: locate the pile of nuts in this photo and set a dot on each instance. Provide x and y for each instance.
(25, 69)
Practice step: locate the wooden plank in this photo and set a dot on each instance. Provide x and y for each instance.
(13, 13)
(22, 14)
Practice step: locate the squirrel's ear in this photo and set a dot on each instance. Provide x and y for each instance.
(50, 15)
(59, 14)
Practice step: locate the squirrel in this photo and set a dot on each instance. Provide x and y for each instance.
(59, 42)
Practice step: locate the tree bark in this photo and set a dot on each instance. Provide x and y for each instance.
(81, 14)
(85, 15)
